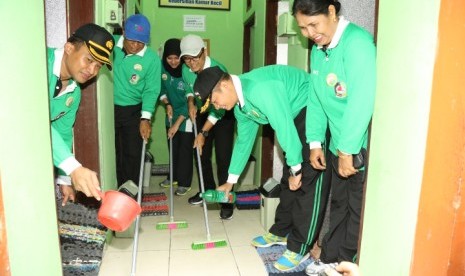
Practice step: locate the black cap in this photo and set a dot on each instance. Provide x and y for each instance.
(204, 84)
(98, 40)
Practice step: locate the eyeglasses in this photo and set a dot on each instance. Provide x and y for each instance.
(190, 58)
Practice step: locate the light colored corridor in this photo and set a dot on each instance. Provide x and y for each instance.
(169, 253)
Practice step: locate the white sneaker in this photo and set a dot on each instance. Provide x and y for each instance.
(318, 268)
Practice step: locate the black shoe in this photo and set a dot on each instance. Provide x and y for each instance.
(226, 213)
(195, 200)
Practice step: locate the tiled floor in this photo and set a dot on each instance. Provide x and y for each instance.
(169, 253)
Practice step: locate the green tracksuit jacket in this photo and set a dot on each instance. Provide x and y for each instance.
(343, 93)
(136, 77)
(62, 114)
(271, 95)
(174, 89)
(189, 78)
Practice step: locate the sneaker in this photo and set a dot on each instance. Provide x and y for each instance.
(318, 267)
(180, 191)
(166, 183)
(268, 240)
(195, 200)
(289, 260)
(226, 213)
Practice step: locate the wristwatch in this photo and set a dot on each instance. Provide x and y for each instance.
(293, 173)
(204, 133)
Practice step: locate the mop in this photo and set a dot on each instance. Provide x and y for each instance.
(171, 224)
(139, 200)
(209, 243)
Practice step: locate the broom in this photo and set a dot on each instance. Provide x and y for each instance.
(139, 200)
(171, 224)
(209, 243)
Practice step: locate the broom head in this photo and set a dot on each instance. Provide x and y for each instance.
(171, 225)
(209, 244)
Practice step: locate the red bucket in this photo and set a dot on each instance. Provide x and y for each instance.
(118, 210)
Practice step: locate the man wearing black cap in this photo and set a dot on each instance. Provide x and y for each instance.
(137, 83)
(79, 61)
(275, 95)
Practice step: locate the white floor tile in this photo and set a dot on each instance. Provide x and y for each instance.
(148, 263)
(248, 261)
(207, 262)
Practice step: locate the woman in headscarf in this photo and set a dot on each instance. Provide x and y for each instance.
(178, 126)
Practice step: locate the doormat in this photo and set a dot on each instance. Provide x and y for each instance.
(154, 204)
(270, 255)
(248, 199)
(82, 238)
(160, 169)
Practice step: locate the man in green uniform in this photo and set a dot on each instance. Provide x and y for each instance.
(137, 85)
(275, 95)
(79, 61)
(215, 127)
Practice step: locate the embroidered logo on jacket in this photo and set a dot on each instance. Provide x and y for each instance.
(69, 101)
(340, 89)
(137, 67)
(134, 79)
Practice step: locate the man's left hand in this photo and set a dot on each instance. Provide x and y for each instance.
(346, 165)
(67, 193)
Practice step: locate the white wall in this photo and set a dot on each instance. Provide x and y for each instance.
(56, 26)
(360, 12)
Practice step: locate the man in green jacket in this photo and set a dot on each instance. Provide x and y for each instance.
(275, 95)
(215, 127)
(79, 61)
(137, 83)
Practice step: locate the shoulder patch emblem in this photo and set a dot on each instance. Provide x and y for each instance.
(69, 101)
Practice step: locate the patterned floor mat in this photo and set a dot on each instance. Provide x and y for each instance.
(154, 204)
(82, 239)
(248, 199)
(269, 255)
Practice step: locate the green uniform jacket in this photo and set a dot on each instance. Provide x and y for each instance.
(189, 78)
(344, 82)
(174, 89)
(136, 77)
(272, 95)
(62, 114)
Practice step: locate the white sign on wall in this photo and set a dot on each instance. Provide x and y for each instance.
(194, 23)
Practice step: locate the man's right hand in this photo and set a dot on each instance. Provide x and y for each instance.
(226, 187)
(348, 269)
(169, 111)
(199, 141)
(86, 181)
(317, 159)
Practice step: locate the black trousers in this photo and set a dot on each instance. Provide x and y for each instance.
(341, 241)
(222, 136)
(128, 143)
(181, 151)
(300, 213)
